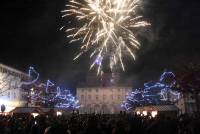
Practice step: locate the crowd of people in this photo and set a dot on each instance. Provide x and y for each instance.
(99, 124)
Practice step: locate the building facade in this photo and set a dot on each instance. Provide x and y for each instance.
(11, 92)
(102, 94)
(188, 103)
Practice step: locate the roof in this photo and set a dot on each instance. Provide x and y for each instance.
(13, 69)
(158, 108)
(41, 110)
(27, 110)
(106, 80)
(102, 87)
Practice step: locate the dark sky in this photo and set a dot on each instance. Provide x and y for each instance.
(30, 36)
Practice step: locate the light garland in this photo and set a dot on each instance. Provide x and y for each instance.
(157, 93)
(42, 95)
(31, 72)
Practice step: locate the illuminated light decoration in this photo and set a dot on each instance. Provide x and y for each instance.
(34, 114)
(66, 100)
(55, 97)
(138, 112)
(107, 27)
(58, 113)
(58, 99)
(48, 84)
(154, 113)
(144, 113)
(157, 93)
(126, 105)
(31, 73)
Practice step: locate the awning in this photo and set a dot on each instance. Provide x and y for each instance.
(160, 108)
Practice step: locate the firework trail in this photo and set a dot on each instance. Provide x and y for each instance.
(107, 28)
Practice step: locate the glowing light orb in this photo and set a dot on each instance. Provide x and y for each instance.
(154, 113)
(138, 112)
(58, 113)
(34, 114)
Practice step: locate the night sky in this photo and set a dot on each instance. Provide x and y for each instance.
(30, 36)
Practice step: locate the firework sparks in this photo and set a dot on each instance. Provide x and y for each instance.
(106, 27)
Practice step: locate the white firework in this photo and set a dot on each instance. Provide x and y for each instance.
(107, 27)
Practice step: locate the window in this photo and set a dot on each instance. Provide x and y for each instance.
(111, 96)
(97, 97)
(82, 97)
(89, 97)
(104, 96)
(118, 97)
(14, 95)
(118, 89)
(8, 94)
(97, 90)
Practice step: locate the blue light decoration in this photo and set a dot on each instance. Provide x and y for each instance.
(49, 84)
(98, 60)
(31, 73)
(48, 94)
(154, 93)
(65, 99)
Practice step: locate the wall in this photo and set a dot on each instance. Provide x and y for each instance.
(101, 99)
(11, 94)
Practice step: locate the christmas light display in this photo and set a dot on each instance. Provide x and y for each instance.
(157, 93)
(31, 73)
(48, 84)
(65, 99)
(49, 94)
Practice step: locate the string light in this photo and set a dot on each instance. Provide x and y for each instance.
(31, 73)
(157, 93)
(40, 94)
(49, 84)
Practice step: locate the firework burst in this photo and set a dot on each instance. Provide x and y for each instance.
(107, 28)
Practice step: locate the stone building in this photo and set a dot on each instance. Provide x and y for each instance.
(188, 103)
(11, 93)
(102, 94)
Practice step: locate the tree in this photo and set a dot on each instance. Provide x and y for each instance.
(188, 79)
(50, 95)
(154, 93)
